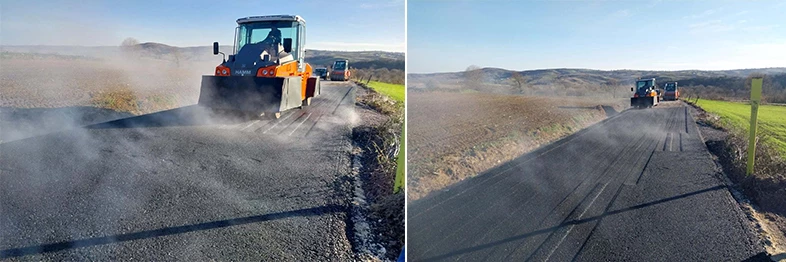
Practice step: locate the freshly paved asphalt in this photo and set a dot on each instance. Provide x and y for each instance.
(640, 186)
(183, 184)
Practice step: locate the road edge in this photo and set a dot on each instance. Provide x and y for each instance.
(763, 229)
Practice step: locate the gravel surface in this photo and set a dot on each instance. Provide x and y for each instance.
(639, 186)
(184, 184)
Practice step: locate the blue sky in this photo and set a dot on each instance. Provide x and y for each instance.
(652, 35)
(333, 25)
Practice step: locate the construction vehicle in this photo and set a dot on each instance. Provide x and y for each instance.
(671, 91)
(340, 71)
(322, 73)
(266, 72)
(646, 94)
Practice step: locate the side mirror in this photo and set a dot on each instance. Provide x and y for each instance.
(288, 45)
(631, 89)
(215, 48)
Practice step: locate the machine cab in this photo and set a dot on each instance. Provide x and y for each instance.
(671, 87)
(645, 87)
(340, 70)
(672, 92)
(263, 44)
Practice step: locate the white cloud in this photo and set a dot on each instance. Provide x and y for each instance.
(743, 12)
(711, 26)
(621, 13)
(703, 14)
(759, 28)
(771, 54)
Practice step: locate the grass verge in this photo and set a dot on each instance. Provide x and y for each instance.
(396, 92)
(382, 144)
(766, 187)
(396, 108)
(736, 116)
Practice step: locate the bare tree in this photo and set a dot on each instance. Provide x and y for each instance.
(612, 85)
(176, 57)
(129, 41)
(129, 44)
(473, 75)
(519, 80)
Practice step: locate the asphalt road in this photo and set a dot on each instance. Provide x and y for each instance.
(184, 184)
(640, 186)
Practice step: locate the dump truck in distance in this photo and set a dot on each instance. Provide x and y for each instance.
(266, 72)
(340, 71)
(671, 92)
(645, 94)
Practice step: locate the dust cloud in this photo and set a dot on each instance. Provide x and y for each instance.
(55, 61)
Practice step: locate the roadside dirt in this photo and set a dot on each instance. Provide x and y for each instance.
(454, 136)
(383, 208)
(758, 196)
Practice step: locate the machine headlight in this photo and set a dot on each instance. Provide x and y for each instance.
(224, 72)
(264, 72)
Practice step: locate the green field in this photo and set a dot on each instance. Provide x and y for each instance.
(771, 120)
(391, 90)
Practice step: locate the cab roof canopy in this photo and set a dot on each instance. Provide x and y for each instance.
(266, 18)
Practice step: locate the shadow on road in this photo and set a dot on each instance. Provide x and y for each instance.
(610, 111)
(21, 123)
(193, 115)
(760, 257)
(569, 223)
(73, 114)
(53, 247)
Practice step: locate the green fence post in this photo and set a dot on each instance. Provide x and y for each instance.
(399, 183)
(755, 100)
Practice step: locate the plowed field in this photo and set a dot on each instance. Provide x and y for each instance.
(452, 136)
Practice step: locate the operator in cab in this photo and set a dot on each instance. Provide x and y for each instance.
(271, 44)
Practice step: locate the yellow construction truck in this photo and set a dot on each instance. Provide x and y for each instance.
(266, 72)
(340, 71)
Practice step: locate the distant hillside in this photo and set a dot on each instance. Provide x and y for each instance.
(318, 58)
(327, 59)
(724, 84)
